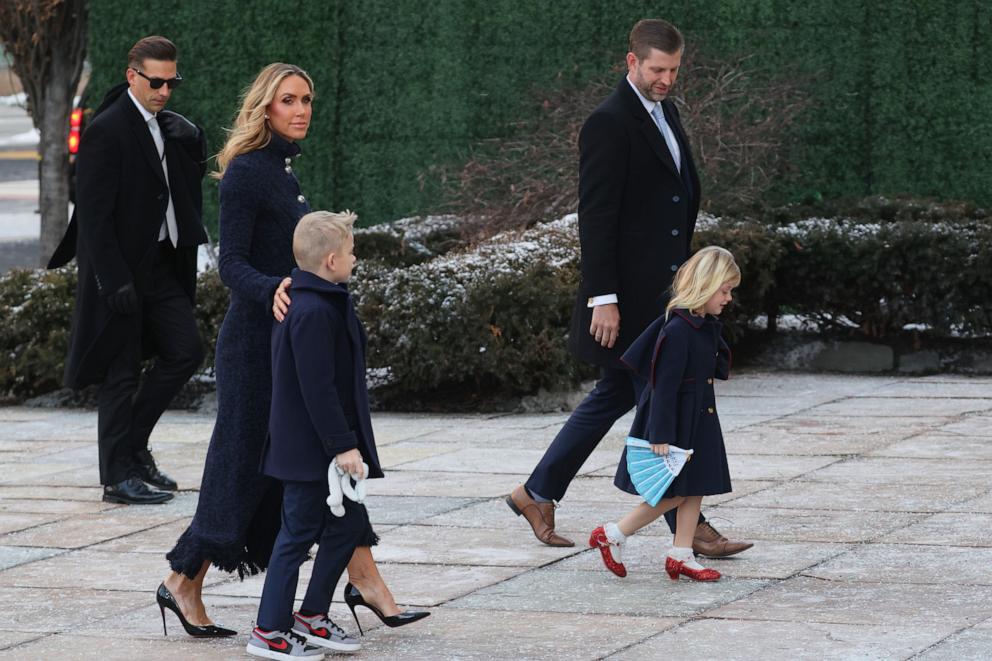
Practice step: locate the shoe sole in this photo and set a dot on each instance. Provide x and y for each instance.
(126, 501)
(329, 644)
(270, 654)
(513, 506)
(720, 555)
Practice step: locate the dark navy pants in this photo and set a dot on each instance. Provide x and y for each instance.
(307, 519)
(616, 393)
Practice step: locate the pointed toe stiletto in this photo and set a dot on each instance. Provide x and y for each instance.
(166, 600)
(354, 598)
(675, 568)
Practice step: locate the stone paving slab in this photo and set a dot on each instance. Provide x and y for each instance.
(853, 488)
(979, 504)
(903, 563)
(12, 556)
(810, 525)
(946, 528)
(761, 640)
(945, 472)
(862, 496)
(937, 445)
(805, 599)
(464, 546)
(972, 425)
(895, 407)
(973, 643)
(767, 440)
(86, 529)
(840, 425)
(557, 591)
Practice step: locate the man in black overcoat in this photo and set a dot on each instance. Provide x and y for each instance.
(135, 231)
(638, 200)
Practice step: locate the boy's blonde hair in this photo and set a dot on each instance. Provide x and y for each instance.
(701, 277)
(318, 234)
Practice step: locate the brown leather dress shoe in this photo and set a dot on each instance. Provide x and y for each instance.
(709, 542)
(540, 516)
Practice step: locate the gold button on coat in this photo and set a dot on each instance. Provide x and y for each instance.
(709, 410)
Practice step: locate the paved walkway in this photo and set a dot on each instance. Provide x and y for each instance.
(869, 500)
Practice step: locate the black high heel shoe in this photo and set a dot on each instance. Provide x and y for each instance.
(166, 600)
(354, 598)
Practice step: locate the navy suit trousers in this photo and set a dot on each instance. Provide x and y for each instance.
(307, 519)
(615, 394)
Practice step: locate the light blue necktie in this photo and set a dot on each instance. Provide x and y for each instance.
(666, 132)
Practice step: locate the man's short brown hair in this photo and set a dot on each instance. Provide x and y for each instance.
(151, 48)
(655, 33)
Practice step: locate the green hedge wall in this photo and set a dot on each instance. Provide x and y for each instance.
(899, 93)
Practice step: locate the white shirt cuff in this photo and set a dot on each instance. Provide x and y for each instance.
(605, 299)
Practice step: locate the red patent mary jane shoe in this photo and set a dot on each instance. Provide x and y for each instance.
(676, 567)
(598, 539)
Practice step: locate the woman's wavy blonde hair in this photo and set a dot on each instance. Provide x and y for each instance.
(701, 277)
(251, 131)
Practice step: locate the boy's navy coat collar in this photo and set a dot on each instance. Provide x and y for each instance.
(307, 281)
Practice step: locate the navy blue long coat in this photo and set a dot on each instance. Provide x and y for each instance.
(679, 358)
(320, 403)
(237, 516)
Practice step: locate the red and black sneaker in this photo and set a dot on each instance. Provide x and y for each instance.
(281, 645)
(609, 550)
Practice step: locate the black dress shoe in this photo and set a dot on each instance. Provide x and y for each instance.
(133, 491)
(150, 474)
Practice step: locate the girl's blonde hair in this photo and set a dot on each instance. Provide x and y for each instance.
(251, 131)
(701, 277)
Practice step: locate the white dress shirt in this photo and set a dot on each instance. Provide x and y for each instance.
(169, 228)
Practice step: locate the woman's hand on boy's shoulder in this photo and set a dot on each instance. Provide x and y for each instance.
(281, 301)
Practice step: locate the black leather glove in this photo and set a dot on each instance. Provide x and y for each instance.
(124, 300)
(176, 127)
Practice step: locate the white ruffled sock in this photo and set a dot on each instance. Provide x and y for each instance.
(685, 555)
(617, 540)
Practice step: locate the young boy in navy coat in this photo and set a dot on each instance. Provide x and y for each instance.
(320, 412)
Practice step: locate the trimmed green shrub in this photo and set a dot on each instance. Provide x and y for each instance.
(482, 324)
(35, 313)
(878, 277)
(408, 241)
(488, 322)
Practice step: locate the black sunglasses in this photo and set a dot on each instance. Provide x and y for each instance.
(156, 83)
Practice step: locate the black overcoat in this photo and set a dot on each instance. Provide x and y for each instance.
(121, 199)
(679, 358)
(320, 403)
(636, 218)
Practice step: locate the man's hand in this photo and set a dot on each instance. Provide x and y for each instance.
(176, 127)
(605, 325)
(280, 302)
(124, 300)
(660, 448)
(351, 463)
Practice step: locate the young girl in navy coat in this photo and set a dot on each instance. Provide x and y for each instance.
(678, 356)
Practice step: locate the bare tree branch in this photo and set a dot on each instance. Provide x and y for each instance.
(46, 41)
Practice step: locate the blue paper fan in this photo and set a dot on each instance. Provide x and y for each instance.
(652, 473)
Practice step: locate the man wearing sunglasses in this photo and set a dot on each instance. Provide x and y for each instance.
(135, 232)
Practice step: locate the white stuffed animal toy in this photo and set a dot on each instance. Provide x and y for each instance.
(339, 486)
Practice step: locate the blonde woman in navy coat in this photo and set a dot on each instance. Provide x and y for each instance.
(679, 355)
